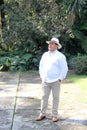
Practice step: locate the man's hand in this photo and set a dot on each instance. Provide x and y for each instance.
(59, 80)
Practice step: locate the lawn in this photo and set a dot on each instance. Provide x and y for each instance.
(81, 81)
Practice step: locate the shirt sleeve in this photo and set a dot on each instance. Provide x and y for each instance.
(63, 68)
(41, 66)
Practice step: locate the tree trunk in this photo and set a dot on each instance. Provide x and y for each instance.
(2, 14)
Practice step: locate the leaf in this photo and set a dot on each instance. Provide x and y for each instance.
(26, 57)
(84, 26)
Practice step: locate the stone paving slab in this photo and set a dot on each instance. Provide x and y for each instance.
(9, 77)
(8, 88)
(6, 119)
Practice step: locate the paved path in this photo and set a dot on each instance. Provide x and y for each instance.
(20, 96)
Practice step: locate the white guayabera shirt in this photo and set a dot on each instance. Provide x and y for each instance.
(53, 66)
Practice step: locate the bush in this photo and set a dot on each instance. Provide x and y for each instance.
(79, 64)
(18, 62)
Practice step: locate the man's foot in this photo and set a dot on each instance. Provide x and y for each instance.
(54, 119)
(39, 118)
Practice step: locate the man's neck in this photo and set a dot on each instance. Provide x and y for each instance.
(51, 52)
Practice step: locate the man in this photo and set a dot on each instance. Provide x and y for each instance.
(53, 69)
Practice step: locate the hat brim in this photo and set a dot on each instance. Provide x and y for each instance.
(59, 45)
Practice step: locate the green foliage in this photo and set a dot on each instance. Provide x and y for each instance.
(79, 64)
(28, 26)
(14, 62)
(29, 23)
(79, 28)
(81, 37)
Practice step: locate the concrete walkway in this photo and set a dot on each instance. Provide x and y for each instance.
(20, 96)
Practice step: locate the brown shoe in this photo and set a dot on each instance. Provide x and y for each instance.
(54, 119)
(39, 118)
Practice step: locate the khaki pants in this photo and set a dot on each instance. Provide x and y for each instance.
(46, 89)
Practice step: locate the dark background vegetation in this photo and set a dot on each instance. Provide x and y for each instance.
(25, 25)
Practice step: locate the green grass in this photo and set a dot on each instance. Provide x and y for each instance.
(80, 80)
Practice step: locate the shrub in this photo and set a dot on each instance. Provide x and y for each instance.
(18, 62)
(79, 64)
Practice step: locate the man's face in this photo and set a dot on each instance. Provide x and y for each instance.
(52, 46)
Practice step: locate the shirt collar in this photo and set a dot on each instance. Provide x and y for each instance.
(52, 53)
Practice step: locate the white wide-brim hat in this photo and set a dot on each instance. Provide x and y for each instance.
(56, 40)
